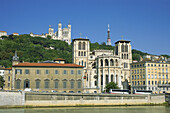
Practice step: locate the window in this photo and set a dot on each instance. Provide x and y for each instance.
(46, 72)
(37, 72)
(84, 53)
(135, 76)
(72, 84)
(166, 76)
(8, 78)
(46, 83)
(79, 46)
(163, 76)
(18, 83)
(56, 83)
(152, 83)
(72, 72)
(27, 71)
(155, 82)
(143, 76)
(148, 82)
(159, 76)
(64, 84)
(18, 71)
(132, 77)
(56, 72)
(106, 62)
(79, 53)
(138, 77)
(152, 76)
(111, 62)
(149, 76)
(79, 72)
(143, 82)
(101, 62)
(79, 84)
(37, 82)
(155, 76)
(84, 46)
(65, 72)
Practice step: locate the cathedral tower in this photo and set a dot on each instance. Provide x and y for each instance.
(108, 36)
(124, 52)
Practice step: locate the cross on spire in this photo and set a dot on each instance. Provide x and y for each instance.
(80, 34)
(122, 36)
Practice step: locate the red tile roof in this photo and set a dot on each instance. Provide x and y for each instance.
(46, 65)
(59, 59)
(3, 31)
(8, 68)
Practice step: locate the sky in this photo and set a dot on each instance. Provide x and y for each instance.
(146, 23)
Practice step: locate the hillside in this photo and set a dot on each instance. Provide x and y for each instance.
(34, 49)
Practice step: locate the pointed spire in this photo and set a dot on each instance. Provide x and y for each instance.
(108, 36)
(15, 58)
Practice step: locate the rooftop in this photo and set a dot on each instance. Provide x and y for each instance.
(46, 65)
(122, 41)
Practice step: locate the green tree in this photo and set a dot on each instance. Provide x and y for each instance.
(49, 37)
(111, 85)
(2, 82)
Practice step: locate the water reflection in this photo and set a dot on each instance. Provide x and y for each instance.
(132, 109)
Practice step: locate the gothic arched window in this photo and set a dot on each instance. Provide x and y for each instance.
(116, 62)
(79, 46)
(84, 45)
(122, 48)
(122, 56)
(81, 53)
(111, 62)
(106, 62)
(127, 56)
(101, 62)
(126, 48)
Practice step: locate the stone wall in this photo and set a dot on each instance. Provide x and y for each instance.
(75, 99)
(56, 99)
(12, 98)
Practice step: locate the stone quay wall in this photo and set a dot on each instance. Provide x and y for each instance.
(71, 99)
(74, 99)
(12, 98)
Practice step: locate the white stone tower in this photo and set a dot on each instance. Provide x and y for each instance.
(124, 52)
(108, 36)
(69, 34)
(51, 31)
(60, 31)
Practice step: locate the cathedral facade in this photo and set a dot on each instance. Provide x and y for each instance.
(103, 66)
(63, 34)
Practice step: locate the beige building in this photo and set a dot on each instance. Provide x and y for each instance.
(46, 76)
(103, 66)
(151, 75)
(3, 33)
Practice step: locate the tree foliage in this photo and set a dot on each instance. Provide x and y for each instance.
(34, 49)
(2, 81)
(111, 85)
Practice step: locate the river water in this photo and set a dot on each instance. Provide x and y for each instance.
(129, 109)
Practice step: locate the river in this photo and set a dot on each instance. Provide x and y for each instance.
(124, 109)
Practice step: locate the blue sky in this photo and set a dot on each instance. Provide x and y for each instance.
(146, 23)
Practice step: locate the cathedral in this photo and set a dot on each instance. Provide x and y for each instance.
(62, 34)
(103, 66)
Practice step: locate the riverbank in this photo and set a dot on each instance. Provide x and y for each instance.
(35, 99)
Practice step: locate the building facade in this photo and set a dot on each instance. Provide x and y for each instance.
(46, 76)
(151, 75)
(61, 34)
(3, 33)
(103, 66)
